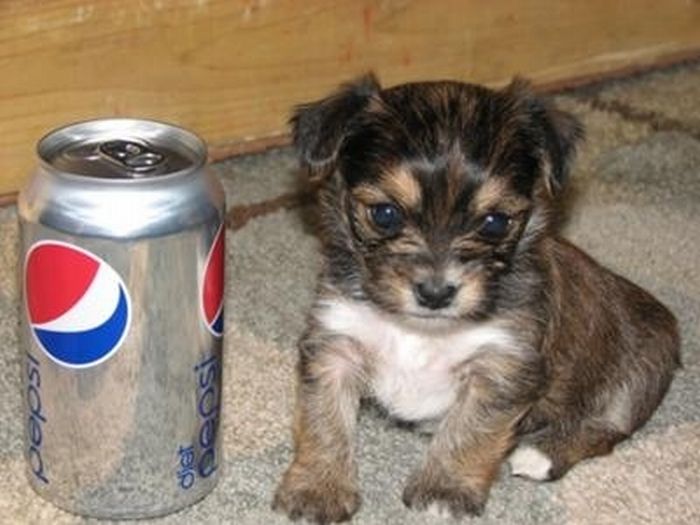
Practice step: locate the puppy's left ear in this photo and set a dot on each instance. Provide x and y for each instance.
(561, 134)
(318, 128)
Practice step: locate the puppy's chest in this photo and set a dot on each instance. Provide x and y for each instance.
(417, 378)
(415, 374)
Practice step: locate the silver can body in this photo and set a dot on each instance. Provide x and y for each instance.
(122, 246)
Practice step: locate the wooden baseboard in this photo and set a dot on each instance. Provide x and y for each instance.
(223, 151)
(626, 71)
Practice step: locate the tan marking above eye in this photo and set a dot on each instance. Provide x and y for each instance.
(495, 194)
(402, 186)
(369, 194)
(396, 186)
(490, 193)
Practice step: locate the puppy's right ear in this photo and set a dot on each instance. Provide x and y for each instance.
(318, 128)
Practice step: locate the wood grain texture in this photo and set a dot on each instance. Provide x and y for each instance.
(231, 69)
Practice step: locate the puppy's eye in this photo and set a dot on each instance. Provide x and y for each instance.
(386, 217)
(494, 226)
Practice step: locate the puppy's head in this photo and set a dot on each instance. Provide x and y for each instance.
(433, 191)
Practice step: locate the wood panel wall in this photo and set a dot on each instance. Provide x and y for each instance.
(231, 69)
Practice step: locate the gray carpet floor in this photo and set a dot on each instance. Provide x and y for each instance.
(634, 204)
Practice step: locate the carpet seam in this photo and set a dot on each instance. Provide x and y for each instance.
(238, 216)
(655, 120)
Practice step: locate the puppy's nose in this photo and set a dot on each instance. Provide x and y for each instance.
(434, 295)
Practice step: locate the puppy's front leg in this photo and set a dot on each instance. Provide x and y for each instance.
(320, 484)
(477, 433)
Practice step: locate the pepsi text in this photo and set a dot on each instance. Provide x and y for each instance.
(208, 409)
(36, 419)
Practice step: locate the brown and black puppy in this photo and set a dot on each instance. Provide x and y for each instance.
(447, 297)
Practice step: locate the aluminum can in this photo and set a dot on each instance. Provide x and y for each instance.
(122, 254)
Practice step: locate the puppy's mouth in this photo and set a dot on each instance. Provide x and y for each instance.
(426, 316)
(433, 315)
(429, 322)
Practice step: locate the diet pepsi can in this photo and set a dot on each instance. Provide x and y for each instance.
(122, 246)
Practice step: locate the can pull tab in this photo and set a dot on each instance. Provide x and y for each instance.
(131, 155)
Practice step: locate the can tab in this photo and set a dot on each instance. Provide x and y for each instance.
(132, 156)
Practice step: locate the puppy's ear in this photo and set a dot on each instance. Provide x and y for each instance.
(318, 128)
(561, 134)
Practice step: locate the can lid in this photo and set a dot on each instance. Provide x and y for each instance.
(121, 148)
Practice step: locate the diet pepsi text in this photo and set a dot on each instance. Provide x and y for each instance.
(208, 410)
(122, 253)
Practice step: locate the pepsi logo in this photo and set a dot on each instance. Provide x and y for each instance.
(212, 288)
(77, 305)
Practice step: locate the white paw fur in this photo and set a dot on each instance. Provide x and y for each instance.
(529, 462)
(439, 510)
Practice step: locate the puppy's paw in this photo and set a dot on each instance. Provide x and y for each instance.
(437, 493)
(316, 498)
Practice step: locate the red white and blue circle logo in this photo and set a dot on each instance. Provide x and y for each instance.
(212, 288)
(78, 306)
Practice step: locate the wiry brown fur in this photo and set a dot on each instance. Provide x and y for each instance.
(574, 357)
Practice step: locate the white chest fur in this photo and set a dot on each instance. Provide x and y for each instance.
(416, 370)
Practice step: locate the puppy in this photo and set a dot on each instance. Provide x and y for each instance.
(447, 297)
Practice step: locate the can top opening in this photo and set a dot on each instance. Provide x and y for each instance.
(121, 148)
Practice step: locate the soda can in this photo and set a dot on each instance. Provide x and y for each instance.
(122, 247)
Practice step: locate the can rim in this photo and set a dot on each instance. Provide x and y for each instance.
(190, 138)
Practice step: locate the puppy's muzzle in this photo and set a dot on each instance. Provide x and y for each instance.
(434, 294)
